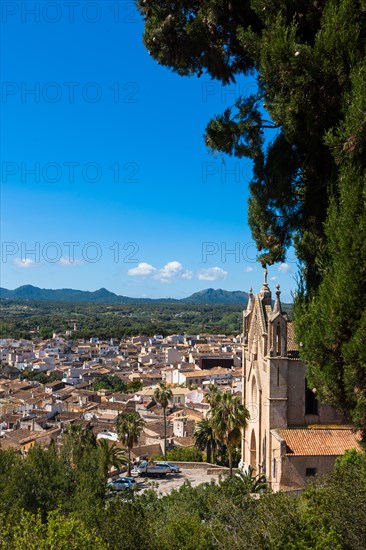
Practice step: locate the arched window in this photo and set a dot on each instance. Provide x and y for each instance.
(253, 453)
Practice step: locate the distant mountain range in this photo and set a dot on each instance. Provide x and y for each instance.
(104, 296)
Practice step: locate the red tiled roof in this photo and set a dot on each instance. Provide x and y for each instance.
(319, 441)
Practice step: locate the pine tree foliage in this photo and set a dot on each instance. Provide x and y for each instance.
(332, 323)
(305, 131)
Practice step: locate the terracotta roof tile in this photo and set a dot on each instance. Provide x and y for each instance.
(319, 441)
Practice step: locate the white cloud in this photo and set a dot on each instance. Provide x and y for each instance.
(27, 262)
(187, 275)
(284, 268)
(273, 278)
(248, 269)
(167, 274)
(212, 274)
(172, 270)
(142, 270)
(66, 262)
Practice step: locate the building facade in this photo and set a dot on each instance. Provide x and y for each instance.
(290, 436)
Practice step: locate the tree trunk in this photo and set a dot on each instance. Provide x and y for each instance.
(129, 462)
(164, 433)
(230, 451)
(209, 452)
(214, 453)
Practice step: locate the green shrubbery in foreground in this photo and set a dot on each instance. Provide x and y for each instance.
(50, 502)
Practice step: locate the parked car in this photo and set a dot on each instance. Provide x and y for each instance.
(120, 485)
(173, 467)
(127, 479)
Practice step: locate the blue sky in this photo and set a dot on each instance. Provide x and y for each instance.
(106, 181)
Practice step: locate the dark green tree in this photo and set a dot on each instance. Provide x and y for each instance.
(134, 386)
(129, 427)
(228, 417)
(162, 395)
(112, 383)
(205, 438)
(287, 46)
(110, 456)
(184, 454)
(331, 322)
(304, 128)
(89, 487)
(63, 533)
(76, 441)
(39, 482)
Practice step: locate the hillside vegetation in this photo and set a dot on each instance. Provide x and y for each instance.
(48, 502)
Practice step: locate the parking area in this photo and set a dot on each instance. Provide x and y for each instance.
(165, 484)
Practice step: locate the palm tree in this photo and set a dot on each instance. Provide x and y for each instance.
(162, 394)
(76, 439)
(129, 427)
(213, 395)
(255, 484)
(205, 438)
(228, 417)
(110, 455)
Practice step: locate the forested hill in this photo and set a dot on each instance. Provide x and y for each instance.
(104, 296)
(219, 296)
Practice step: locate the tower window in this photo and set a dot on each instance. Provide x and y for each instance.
(278, 340)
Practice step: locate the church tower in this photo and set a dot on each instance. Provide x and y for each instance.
(275, 393)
